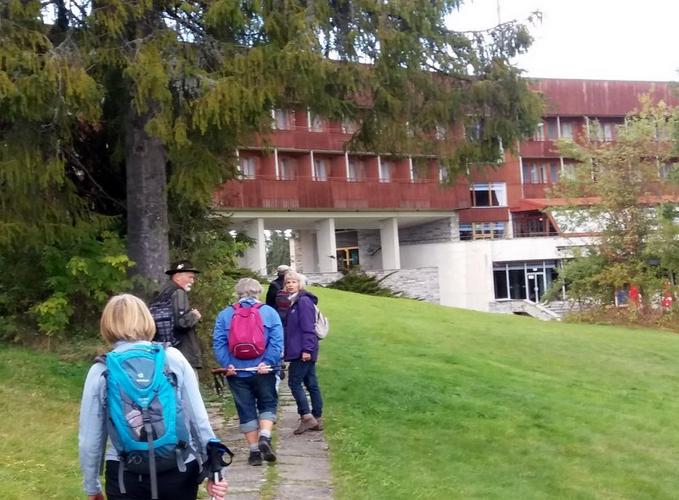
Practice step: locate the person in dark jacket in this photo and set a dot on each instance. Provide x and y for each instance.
(182, 276)
(276, 285)
(301, 351)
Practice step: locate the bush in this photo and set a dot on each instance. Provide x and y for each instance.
(359, 282)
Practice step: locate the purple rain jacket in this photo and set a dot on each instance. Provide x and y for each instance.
(300, 335)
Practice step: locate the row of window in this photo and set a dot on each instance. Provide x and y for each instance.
(552, 129)
(482, 231)
(550, 171)
(286, 120)
(356, 170)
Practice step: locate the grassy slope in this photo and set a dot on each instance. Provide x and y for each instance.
(424, 401)
(39, 400)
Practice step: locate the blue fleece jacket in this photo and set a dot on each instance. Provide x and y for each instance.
(273, 332)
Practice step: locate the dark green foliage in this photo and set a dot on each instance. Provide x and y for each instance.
(134, 109)
(278, 251)
(359, 282)
(62, 286)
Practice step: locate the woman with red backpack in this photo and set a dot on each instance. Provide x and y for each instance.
(247, 341)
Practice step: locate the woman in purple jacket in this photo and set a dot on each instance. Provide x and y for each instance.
(301, 351)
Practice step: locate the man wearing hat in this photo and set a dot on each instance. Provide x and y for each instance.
(276, 285)
(182, 275)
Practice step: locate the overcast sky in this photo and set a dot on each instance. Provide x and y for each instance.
(598, 39)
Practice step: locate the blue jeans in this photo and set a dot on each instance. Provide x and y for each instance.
(255, 399)
(304, 372)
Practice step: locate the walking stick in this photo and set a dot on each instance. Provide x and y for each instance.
(215, 459)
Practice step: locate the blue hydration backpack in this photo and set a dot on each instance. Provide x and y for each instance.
(146, 421)
(162, 312)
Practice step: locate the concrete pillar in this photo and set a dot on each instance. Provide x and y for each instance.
(294, 253)
(391, 253)
(255, 256)
(307, 251)
(326, 246)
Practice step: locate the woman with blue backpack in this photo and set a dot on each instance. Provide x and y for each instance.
(142, 414)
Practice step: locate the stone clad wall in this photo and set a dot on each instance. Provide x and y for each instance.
(443, 230)
(420, 283)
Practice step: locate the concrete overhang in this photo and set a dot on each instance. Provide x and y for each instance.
(299, 219)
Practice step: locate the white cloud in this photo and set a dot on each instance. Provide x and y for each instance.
(599, 39)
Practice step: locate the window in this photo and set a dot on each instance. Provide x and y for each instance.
(482, 231)
(417, 174)
(316, 123)
(444, 176)
(320, 170)
(386, 170)
(246, 167)
(667, 170)
(347, 257)
(546, 130)
(349, 126)
(539, 134)
(440, 133)
(608, 131)
(569, 170)
(540, 172)
(566, 130)
(551, 129)
(282, 119)
(554, 172)
(474, 130)
(286, 169)
(602, 131)
(356, 170)
(489, 195)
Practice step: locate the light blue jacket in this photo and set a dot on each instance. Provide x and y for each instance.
(93, 435)
(273, 331)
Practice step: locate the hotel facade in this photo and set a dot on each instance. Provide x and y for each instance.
(481, 242)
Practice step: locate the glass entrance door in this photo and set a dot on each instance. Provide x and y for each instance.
(535, 283)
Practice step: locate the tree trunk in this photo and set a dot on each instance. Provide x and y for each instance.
(147, 223)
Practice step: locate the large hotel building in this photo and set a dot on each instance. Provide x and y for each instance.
(485, 242)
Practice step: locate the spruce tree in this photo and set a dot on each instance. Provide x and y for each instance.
(160, 93)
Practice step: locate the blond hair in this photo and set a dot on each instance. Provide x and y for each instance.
(126, 317)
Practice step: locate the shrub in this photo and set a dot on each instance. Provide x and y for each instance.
(359, 282)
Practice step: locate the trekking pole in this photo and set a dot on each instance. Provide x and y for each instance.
(215, 459)
(251, 369)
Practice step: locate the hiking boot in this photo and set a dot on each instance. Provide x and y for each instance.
(255, 458)
(307, 422)
(266, 450)
(318, 426)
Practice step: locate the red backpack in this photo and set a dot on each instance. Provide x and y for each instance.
(246, 333)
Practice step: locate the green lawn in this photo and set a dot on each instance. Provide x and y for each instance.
(430, 402)
(426, 402)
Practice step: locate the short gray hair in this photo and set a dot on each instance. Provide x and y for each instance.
(301, 279)
(248, 288)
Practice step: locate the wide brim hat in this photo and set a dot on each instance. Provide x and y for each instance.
(183, 266)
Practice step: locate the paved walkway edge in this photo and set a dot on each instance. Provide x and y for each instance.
(302, 469)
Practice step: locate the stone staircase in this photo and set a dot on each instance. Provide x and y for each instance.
(524, 307)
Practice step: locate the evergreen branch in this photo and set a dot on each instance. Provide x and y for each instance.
(74, 158)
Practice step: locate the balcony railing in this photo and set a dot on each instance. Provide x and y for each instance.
(341, 194)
